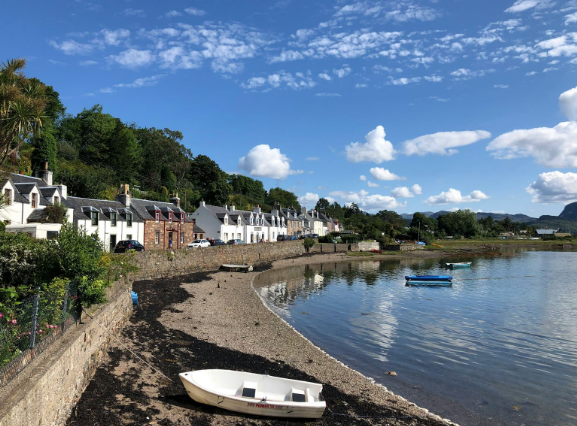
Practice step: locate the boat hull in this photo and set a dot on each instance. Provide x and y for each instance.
(260, 406)
(429, 283)
(429, 280)
(458, 265)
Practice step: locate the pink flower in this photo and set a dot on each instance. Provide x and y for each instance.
(13, 321)
(0, 315)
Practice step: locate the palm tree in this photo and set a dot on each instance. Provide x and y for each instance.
(22, 104)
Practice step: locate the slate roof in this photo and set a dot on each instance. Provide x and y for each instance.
(25, 184)
(82, 207)
(146, 209)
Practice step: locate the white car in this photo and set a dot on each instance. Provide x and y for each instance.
(199, 243)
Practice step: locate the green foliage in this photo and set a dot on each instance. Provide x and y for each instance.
(308, 243)
(282, 197)
(45, 149)
(55, 214)
(251, 189)
(210, 180)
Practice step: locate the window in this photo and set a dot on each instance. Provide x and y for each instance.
(129, 220)
(34, 200)
(94, 218)
(226, 220)
(157, 237)
(170, 217)
(226, 236)
(238, 236)
(112, 219)
(56, 200)
(251, 220)
(157, 217)
(8, 196)
(182, 238)
(129, 236)
(182, 217)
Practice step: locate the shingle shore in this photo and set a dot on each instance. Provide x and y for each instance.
(216, 320)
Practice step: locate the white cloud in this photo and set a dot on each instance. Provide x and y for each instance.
(403, 81)
(287, 55)
(568, 103)
(113, 38)
(133, 58)
(297, 81)
(402, 192)
(453, 196)
(443, 143)
(87, 63)
(501, 86)
(383, 174)
(178, 58)
(368, 202)
(325, 76)
(554, 187)
(523, 5)
(195, 12)
(172, 14)
(362, 177)
(416, 189)
(328, 95)
(264, 161)
(551, 147)
(107, 90)
(342, 72)
(377, 149)
(571, 19)
(141, 82)
(134, 12)
(309, 199)
(373, 184)
(71, 47)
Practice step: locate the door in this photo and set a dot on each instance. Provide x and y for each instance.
(112, 242)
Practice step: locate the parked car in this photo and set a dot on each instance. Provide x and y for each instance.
(217, 242)
(235, 241)
(124, 245)
(281, 237)
(198, 243)
(314, 235)
(291, 238)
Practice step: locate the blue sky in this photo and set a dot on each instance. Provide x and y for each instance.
(404, 105)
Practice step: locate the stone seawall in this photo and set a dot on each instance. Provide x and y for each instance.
(45, 392)
(164, 263)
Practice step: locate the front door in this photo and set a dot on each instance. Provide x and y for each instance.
(112, 242)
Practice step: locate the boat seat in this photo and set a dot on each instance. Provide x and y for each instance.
(298, 395)
(248, 390)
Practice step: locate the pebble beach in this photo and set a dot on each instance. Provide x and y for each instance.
(216, 320)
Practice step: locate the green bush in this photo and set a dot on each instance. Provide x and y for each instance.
(308, 243)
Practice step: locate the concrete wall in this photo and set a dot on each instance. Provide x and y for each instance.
(47, 390)
(404, 247)
(368, 246)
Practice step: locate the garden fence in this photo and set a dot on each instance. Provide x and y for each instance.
(31, 325)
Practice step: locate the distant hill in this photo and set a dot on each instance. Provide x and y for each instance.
(481, 215)
(569, 212)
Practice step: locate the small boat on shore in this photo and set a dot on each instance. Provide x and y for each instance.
(429, 280)
(457, 265)
(258, 394)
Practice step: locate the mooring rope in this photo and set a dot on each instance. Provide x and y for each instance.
(127, 348)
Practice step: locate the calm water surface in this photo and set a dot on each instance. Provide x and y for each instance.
(499, 347)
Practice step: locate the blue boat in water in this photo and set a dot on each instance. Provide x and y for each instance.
(429, 280)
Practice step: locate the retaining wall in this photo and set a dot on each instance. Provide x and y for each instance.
(46, 391)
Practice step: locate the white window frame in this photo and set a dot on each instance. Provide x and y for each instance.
(157, 237)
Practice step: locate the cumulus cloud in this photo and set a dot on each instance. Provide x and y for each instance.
(554, 187)
(133, 58)
(550, 147)
(416, 188)
(568, 103)
(342, 72)
(309, 199)
(195, 12)
(264, 161)
(297, 81)
(402, 192)
(453, 196)
(366, 201)
(373, 184)
(443, 143)
(523, 5)
(383, 174)
(142, 82)
(377, 149)
(362, 177)
(114, 38)
(71, 47)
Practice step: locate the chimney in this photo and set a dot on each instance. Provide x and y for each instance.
(175, 200)
(45, 175)
(63, 190)
(257, 209)
(202, 203)
(232, 208)
(124, 195)
(225, 207)
(303, 210)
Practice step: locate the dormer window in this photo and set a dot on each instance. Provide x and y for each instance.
(226, 220)
(129, 219)
(34, 202)
(94, 218)
(56, 200)
(157, 216)
(112, 219)
(8, 196)
(251, 220)
(170, 217)
(182, 217)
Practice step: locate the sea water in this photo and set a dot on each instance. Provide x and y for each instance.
(498, 347)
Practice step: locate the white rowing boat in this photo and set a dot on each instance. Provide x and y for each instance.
(258, 394)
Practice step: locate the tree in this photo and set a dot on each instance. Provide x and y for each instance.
(22, 104)
(210, 180)
(283, 198)
(252, 189)
(323, 204)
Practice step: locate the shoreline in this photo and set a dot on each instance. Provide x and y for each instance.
(217, 320)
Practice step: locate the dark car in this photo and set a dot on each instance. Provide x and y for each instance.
(125, 245)
(281, 237)
(235, 241)
(291, 238)
(217, 242)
